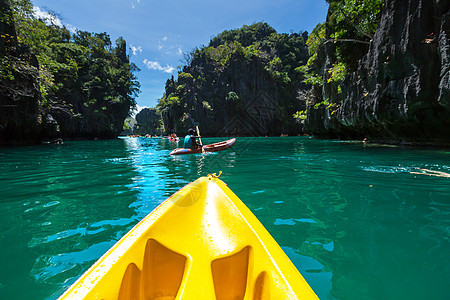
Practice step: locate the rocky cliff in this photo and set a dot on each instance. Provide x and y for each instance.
(148, 121)
(55, 84)
(400, 91)
(22, 121)
(245, 83)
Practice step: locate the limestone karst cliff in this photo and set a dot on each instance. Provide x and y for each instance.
(400, 90)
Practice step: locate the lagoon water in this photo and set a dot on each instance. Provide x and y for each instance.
(354, 219)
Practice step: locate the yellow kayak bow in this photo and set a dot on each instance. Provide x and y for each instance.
(201, 243)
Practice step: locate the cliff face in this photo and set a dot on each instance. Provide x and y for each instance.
(22, 121)
(400, 91)
(245, 83)
(147, 122)
(96, 86)
(79, 122)
(244, 100)
(81, 87)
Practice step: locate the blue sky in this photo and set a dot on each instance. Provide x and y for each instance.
(158, 32)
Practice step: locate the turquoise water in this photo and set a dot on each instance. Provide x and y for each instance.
(352, 218)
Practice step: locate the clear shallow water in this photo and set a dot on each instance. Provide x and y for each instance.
(353, 219)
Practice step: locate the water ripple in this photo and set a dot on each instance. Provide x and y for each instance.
(351, 218)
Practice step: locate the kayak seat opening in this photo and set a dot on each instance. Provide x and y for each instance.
(129, 289)
(230, 275)
(262, 287)
(162, 272)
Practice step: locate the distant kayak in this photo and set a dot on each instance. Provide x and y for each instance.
(201, 243)
(208, 148)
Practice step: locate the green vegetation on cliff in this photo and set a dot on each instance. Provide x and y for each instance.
(380, 72)
(244, 83)
(351, 25)
(85, 82)
(148, 121)
(349, 28)
(335, 48)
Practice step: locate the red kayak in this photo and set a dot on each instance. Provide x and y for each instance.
(208, 148)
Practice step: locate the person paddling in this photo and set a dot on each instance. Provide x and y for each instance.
(190, 140)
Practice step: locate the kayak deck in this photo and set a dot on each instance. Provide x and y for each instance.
(201, 243)
(208, 148)
(220, 146)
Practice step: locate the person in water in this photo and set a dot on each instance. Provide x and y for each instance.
(190, 140)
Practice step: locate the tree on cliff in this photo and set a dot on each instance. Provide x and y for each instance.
(148, 121)
(350, 27)
(395, 89)
(244, 83)
(22, 119)
(85, 83)
(346, 36)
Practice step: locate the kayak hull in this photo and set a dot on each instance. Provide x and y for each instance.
(208, 148)
(201, 243)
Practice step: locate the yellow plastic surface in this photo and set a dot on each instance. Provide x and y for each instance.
(201, 243)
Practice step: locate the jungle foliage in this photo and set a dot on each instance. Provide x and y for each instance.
(350, 27)
(148, 121)
(218, 79)
(82, 76)
(344, 38)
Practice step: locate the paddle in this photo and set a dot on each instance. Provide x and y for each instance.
(200, 139)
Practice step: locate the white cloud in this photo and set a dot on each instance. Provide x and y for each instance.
(161, 42)
(136, 50)
(46, 17)
(137, 110)
(154, 65)
(169, 49)
(71, 28)
(134, 3)
(50, 19)
(173, 50)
